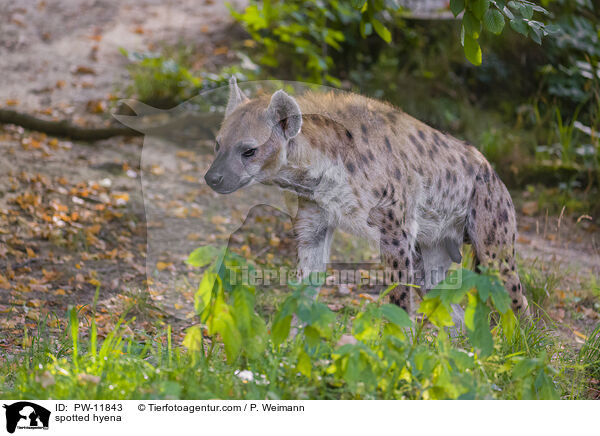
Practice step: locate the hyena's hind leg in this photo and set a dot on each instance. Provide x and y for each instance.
(397, 247)
(491, 227)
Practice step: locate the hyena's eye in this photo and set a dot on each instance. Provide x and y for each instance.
(217, 145)
(249, 153)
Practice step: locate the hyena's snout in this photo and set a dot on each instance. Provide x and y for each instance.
(213, 178)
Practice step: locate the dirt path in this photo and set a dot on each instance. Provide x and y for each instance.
(61, 54)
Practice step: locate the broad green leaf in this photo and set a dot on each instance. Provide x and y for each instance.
(381, 30)
(457, 6)
(436, 312)
(472, 50)
(311, 336)
(519, 25)
(536, 33)
(471, 25)
(479, 7)
(243, 308)
(478, 327)
(256, 342)
(322, 319)
(222, 322)
(500, 298)
(395, 315)
(508, 321)
(204, 292)
(365, 325)
(202, 256)
(193, 339)
(280, 329)
(304, 365)
(493, 20)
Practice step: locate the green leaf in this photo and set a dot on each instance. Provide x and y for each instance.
(536, 33)
(472, 50)
(365, 325)
(381, 30)
(478, 327)
(357, 4)
(457, 6)
(204, 293)
(525, 10)
(436, 312)
(396, 315)
(493, 20)
(471, 25)
(519, 25)
(202, 256)
(243, 308)
(508, 321)
(500, 298)
(479, 7)
(304, 365)
(223, 323)
(280, 329)
(193, 339)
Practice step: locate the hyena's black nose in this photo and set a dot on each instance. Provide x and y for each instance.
(213, 179)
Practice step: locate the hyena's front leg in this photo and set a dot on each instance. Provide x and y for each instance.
(403, 266)
(314, 233)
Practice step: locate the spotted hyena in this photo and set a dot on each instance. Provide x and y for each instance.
(374, 171)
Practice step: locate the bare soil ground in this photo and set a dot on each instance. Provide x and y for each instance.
(72, 216)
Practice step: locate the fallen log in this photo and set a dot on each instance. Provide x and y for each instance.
(63, 128)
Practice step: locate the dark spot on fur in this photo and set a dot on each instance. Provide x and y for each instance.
(370, 153)
(363, 128)
(348, 134)
(491, 238)
(407, 263)
(398, 174)
(395, 242)
(350, 167)
(416, 143)
(503, 216)
(395, 264)
(421, 135)
(387, 143)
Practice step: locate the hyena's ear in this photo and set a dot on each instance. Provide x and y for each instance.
(236, 96)
(284, 110)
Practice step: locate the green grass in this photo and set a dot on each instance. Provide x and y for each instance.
(370, 352)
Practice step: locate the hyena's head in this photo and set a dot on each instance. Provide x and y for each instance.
(252, 142)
